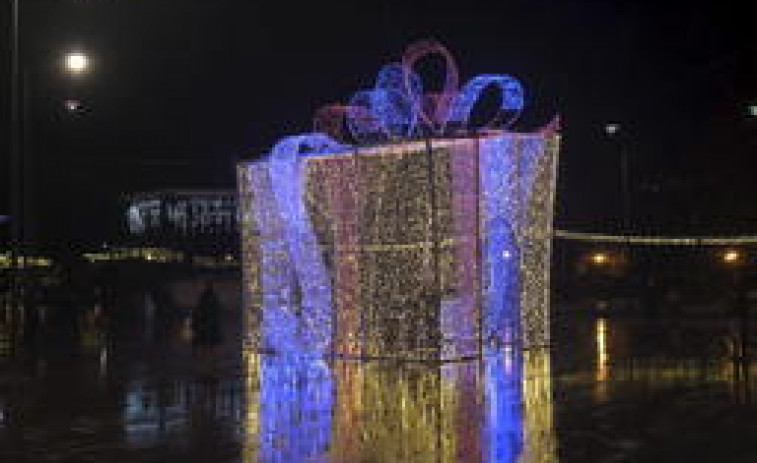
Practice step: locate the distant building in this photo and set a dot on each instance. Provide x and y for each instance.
(188, 220)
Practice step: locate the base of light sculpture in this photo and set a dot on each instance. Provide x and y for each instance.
(421, 250)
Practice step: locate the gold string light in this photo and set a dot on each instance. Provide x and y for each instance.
(657, 240)
(433, 248)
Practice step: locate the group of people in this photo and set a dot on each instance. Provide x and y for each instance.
(38, 321)
(58, 316)
(204, 317)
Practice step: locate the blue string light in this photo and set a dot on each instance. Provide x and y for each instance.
(396, 99)
(295, 324)
(296, 409)
(364, 123)
(512, 100)
(503, 424)
(501, 291)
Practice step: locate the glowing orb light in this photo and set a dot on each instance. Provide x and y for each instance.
(76, 63)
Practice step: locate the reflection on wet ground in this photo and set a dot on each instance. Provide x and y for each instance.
(610, 390)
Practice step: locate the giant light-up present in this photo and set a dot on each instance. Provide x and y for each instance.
(424, 238)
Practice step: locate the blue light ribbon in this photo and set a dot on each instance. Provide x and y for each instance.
(397, 108)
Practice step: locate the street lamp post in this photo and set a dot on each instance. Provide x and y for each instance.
(15, 172)
(76, 63)
(614, 131)
(735, 260)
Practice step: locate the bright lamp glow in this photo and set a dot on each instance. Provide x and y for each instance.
(731, 256)
(600, 258)
(73, 106)
(77, 63)
(612, 128)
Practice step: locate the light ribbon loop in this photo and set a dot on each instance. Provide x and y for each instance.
(397, 108)
(510, 107)
(397, 99)
(432, 116)
(288, 188)
(364, 124)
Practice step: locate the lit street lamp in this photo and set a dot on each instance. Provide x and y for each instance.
(752, 109)
(600, 258)
(732, 257)
(74, 106)
(612, 128)
(76, 63)
(734, 260)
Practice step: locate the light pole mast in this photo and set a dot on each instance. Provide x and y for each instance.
(614, 132)
(16, 171)
(76, 64)
(16, 180)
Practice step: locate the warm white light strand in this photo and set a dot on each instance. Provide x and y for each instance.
(656, 240)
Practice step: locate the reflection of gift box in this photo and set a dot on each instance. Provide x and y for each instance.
(424, 249)
(499, 409)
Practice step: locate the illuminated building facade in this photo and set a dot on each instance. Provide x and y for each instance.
(424, 239)
(182, 219)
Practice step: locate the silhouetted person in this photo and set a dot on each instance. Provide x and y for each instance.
(68, 307)
(149, 316)
(32, 316)
(741, 307)
(162, 314)
(106, 287)
(206, 318)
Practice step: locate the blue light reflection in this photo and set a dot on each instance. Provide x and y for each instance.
(503, 428)
(311, 410)
(296, 407)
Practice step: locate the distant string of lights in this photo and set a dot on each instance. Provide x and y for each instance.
(656, 240)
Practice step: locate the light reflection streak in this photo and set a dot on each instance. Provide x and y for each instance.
(296, 406)
(540, 438)
(496, 410)
(602, 354)
(503, 432)
(603, 359)
(252, 409)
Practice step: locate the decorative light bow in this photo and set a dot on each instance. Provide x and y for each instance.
(397, 107)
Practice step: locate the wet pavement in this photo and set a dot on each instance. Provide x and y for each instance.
(610, 390)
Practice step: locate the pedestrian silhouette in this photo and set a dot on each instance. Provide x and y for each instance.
(32, 318)
(206, 318)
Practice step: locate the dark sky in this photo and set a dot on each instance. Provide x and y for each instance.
(180, 89)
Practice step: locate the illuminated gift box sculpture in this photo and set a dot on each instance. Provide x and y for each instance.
(425, 239)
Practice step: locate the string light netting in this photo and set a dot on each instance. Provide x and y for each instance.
(426, 250)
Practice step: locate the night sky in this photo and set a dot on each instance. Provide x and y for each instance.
(181, 89)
